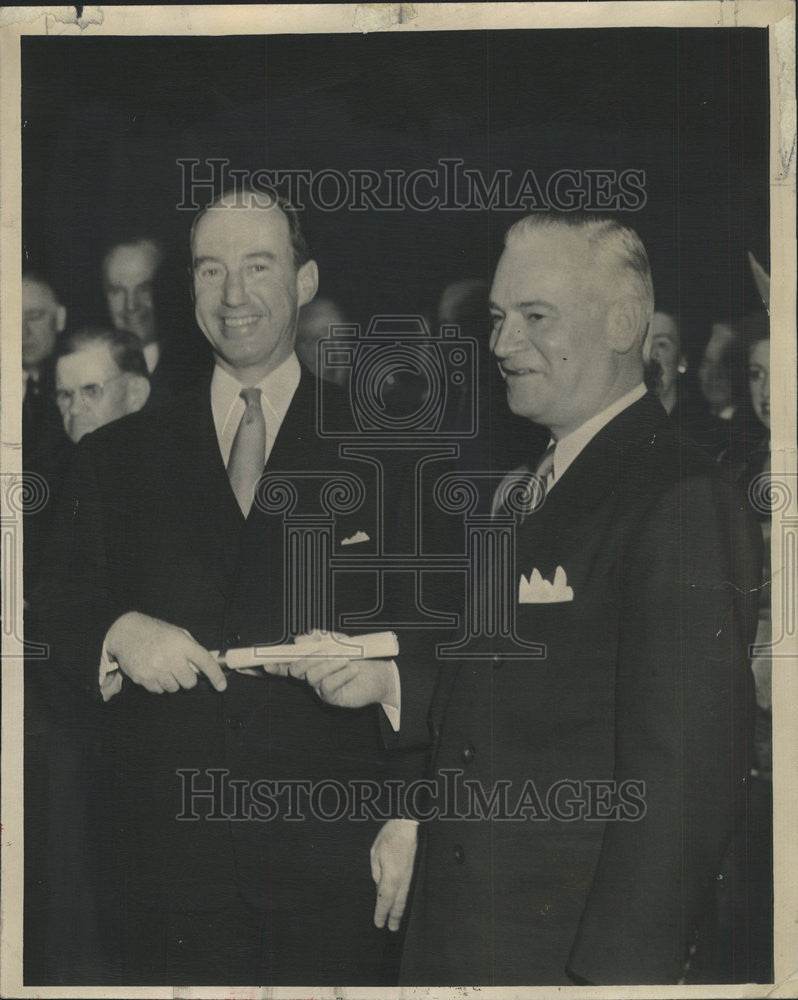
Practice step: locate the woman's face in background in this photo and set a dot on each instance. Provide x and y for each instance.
(759, 380)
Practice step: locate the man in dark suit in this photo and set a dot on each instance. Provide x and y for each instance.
(595, 787)
(44, 443)
(163, 555)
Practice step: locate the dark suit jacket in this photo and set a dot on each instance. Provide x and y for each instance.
(645, 679)
(151, 524)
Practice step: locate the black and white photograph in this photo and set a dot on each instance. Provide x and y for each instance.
(398, 561)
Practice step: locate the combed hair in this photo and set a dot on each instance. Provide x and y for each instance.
(603, 233)
(125, 347)
(249, 192)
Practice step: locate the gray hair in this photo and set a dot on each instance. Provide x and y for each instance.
(606, 234)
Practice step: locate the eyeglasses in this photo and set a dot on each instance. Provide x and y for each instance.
(91, 394)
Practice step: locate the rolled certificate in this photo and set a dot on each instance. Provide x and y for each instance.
(377, 646)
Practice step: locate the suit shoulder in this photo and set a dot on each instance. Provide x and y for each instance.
(141, 432)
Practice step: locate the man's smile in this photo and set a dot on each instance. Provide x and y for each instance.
(239, 322)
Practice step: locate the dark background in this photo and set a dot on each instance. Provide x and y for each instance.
(105, 120)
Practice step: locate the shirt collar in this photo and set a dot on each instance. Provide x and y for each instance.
(568, 448)
(152, 355)
(277, 390)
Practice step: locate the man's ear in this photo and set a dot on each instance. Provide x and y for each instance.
(307, 282)
(60, 319)
(138, 392)
(627, 317)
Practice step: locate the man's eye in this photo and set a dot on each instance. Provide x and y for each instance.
(92, 392)
(34, 315)
(495, 319)
(257, 268)
(209, 273)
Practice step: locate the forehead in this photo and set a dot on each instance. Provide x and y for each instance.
(35, 295)
(235, 231)
(554, 257)
(137, 262)
(91, 364)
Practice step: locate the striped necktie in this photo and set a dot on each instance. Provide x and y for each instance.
(537, 484)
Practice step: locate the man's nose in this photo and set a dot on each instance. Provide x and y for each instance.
(234, 293)
(77, 404)
(131, 300)
(507, 338)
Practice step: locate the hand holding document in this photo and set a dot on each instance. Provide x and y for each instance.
(346, 671)
(319, 645)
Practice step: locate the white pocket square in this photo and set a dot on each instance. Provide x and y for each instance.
(536, 590)
(359, 536)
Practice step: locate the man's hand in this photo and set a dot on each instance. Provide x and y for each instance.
(340, 681)
(392, 855)
(160, 656)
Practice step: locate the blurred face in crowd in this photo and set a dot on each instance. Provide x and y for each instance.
(43, 318)
(759, 380)
(315, 320)
(129, 273)
(664, 348)
(247, 289)
(91, 390)
(552, 320)
(713, 372)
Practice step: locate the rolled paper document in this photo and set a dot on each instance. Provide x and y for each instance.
(377, 646)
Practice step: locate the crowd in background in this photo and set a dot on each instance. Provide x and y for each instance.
(77, 379)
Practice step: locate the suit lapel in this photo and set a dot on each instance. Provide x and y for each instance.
(211, 512)
(591, 478)
(296, 440)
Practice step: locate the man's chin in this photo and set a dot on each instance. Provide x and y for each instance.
(76, 433)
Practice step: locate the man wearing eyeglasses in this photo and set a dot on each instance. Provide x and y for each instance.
(100, 376)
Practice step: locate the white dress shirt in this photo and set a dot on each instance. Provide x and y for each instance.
(152, 355)
(276, 392)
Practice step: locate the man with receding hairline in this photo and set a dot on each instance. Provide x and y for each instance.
(166, 554)
(611, 769)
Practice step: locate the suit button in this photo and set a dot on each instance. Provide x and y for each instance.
(234, 722)
(468, 754)
(459, 854)
(496, 660)
(233, 640)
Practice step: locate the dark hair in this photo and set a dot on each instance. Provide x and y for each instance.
(265, 197)
(125, 347)
(752, 328)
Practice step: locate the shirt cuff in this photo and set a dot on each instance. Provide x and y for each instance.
(110, 676)
(393, 711)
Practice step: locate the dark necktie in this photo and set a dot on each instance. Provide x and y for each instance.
(248, 453)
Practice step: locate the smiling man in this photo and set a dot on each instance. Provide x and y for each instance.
(163, 556)
(608, 772)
